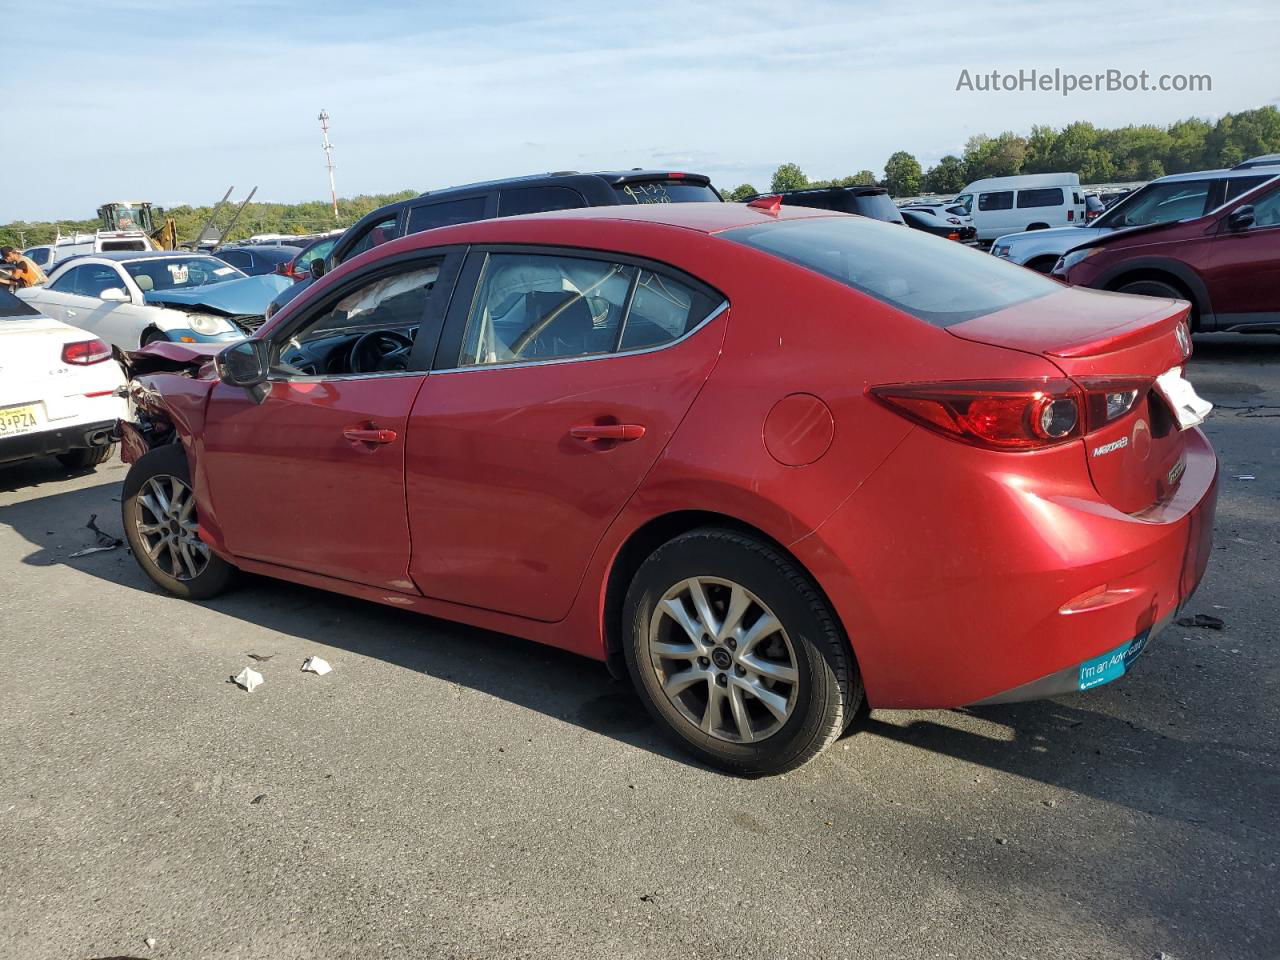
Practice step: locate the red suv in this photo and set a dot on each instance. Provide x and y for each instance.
(1225, 263)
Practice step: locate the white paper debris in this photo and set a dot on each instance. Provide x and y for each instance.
(1246, 476)
(248, 678)
(150, 942)
(316, 665)
(1188, 407)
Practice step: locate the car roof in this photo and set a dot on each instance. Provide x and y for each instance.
(1221, 174)
(559, 176)
(121, 256)
(708, 218)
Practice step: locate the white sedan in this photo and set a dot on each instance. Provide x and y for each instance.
(130, 299)
(57, 390)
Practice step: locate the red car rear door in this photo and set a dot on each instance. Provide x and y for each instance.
(567, 375)
(312, 475)
(1243, 273)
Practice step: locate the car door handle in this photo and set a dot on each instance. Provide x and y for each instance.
(369, 435)
(608, 431)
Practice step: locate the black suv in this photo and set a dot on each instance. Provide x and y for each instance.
(871, 202)
(505, 198)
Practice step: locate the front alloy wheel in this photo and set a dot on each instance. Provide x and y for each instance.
(166, 524)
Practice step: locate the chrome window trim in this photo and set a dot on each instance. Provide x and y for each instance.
(584, 358)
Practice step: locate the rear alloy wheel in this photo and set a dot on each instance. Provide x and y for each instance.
(161, 524)
(1153, 288)
(736, 654)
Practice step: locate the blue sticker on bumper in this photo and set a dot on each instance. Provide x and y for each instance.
(1109, 666)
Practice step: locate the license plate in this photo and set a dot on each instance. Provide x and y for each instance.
(1112, 665)
(1188, 406)
(15, 420)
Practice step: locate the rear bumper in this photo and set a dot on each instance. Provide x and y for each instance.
(58, 440)
(963, 586)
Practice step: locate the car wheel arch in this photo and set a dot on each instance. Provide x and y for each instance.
(1173, 273)
(1038, 225)
(1042, 263)
(648, 537)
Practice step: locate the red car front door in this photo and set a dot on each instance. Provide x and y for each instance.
(1243, 272)
(574, 373)
(312, 477)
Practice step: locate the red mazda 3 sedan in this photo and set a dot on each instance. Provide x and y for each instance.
(777, 462)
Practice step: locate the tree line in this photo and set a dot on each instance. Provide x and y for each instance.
(1097, 154)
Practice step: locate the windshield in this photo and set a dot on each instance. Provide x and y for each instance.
(666, 191)
(965, 203)
(932, 279)
(1158, 203)
(179, 273)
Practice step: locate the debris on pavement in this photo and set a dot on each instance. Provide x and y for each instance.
(316, 665)
(258, 799)
(150, 942)
(247, 678)
(1246, 476)
(1202, 620)
(105, 540)
(260, 657)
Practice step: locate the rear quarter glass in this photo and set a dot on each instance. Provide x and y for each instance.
(665, 191)
(928, 277)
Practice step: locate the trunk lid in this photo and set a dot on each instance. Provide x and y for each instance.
(1109, 344)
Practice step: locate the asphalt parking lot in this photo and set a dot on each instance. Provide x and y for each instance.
(446, 792)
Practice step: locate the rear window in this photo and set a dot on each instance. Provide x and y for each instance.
(446, 214)
(513, 203)
(877, 206)
(666, 191)
(110, 245)
(934, 280)
(1048, 197)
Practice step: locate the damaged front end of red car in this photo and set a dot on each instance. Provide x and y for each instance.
(168, 384)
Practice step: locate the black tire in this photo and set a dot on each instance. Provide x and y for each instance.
(150, 336)
(1041, 264)
(167, 461)
(87, 458)
(1167, 290)
(828, 688)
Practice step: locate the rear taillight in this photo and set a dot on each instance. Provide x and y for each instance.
(1071, 215)
(1003, 414)
(85, 352)
(953, 235)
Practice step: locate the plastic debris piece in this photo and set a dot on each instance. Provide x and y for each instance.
(260, 658)
(316, 665)
(1202, 620)
(105, 540)
(1246, 476)
(248, 678)
(259, 798)
(150, 942)
(88, 550)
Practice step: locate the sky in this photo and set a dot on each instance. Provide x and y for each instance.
(174, 101)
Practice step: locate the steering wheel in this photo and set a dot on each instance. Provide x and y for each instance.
(380, 350)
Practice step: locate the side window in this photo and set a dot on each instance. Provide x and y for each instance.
(662, 310)
(370, 329)
(318, 252)
(1266, 210)
(1239, 185)
(512, 203)
(68, 282)
(237, 258)
(88, 280)
(446, 213)
(379, 233)
(533, 307)
(1048, 197)
(1002, 200)
(41, 256)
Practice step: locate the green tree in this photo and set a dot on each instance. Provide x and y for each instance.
(1040, 150)
(788, 177)
(902, 174)
(741, 192)
(946, 176)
